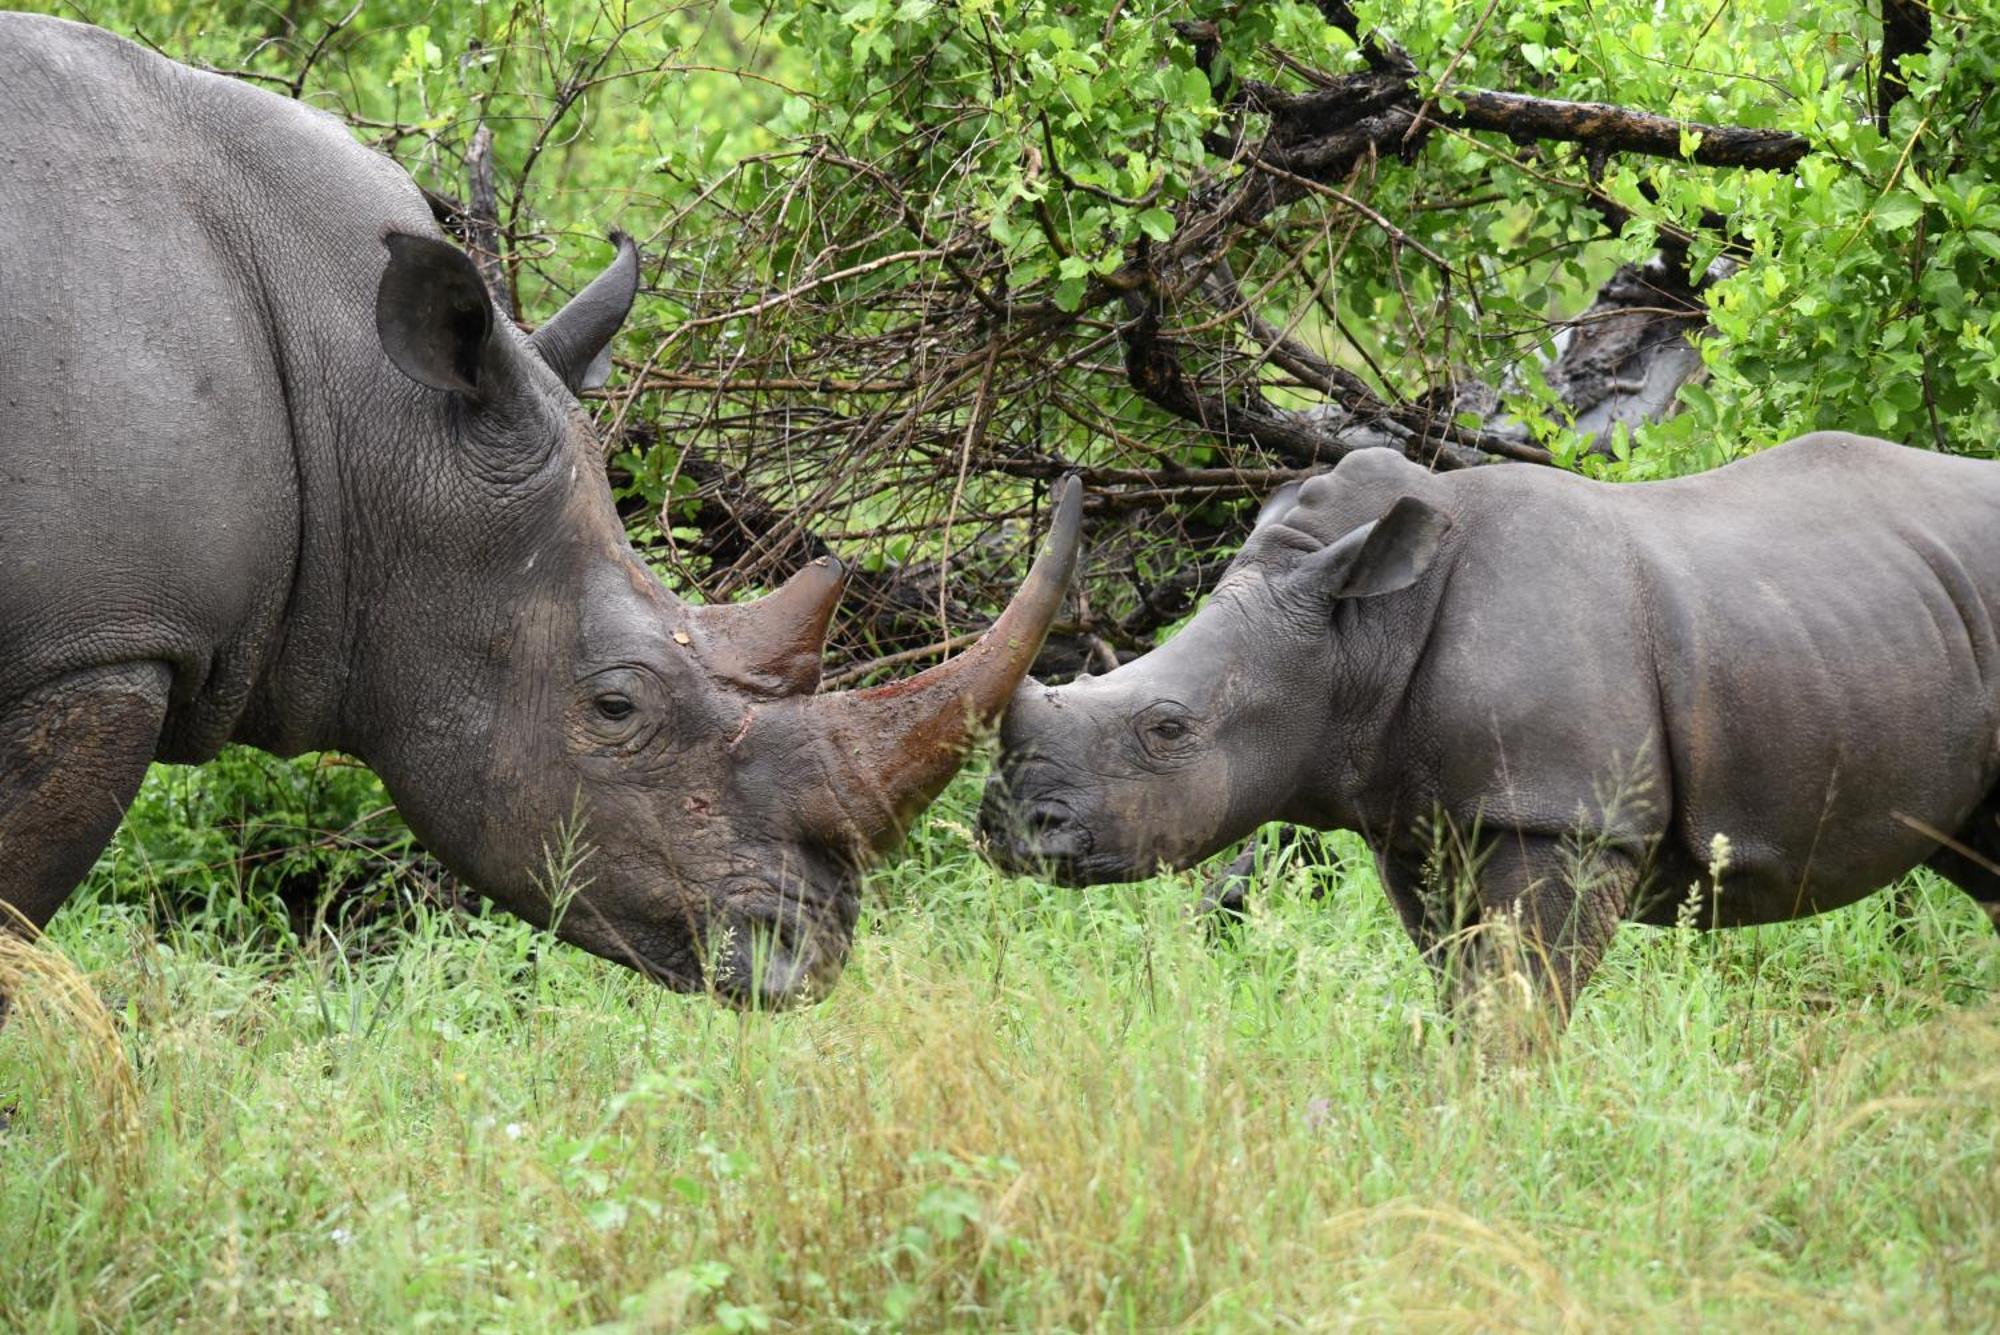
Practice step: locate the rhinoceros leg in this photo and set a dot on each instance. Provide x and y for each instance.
(1969, 861)
(1547, 909)
(1225, 900)
(72, 753)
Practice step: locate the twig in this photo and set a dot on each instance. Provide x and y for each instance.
(298, 85)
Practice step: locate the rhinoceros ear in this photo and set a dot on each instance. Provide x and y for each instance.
(434, 316)
(576, 341)
(1389, 554)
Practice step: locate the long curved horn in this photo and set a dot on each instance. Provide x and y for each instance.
(891, 749)
(576, 340)
(773, 645)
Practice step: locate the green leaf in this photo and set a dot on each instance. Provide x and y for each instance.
(900, 1301)
(1157, 223)
(737, 1319)
(1897, 210)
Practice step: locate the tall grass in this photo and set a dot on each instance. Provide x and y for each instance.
(1021, 1108)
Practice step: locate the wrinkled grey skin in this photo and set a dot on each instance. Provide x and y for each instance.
(1573, 686)
(271, 472)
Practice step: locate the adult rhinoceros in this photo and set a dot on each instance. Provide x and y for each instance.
(1570, 689)
(272, 472)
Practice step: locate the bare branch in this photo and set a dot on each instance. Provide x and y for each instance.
(1623, 130)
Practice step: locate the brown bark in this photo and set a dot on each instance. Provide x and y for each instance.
(482, 221)
(1623, 130)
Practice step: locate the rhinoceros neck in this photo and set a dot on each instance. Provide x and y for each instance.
(460, 659)
(402, 627)
(306, 210)
(1375, 723)
(357, 428)
(345, 601)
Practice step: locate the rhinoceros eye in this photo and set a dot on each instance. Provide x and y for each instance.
(1166, 733)
(620, 710)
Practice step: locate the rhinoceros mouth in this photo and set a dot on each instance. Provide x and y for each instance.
(1083, 871)
(674, 980)
(683, 974)
(770, 947)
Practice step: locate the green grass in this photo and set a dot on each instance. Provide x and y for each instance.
(1022, 1108)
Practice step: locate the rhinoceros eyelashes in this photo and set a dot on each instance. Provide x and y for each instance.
(620, 710)
(1166, 731)
(433, 314)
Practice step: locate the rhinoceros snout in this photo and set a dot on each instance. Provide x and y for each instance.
(768, 956)
(1040, 836)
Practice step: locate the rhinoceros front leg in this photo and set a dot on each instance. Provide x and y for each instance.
(72, 753)
(1545, 912)
(1435, 907)
(1225, 900)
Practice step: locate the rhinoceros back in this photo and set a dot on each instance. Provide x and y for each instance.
(186, 274)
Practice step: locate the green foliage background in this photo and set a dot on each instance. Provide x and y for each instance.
(1868, 303)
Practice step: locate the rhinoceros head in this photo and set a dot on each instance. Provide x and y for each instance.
(551, 688)
(1188, 748)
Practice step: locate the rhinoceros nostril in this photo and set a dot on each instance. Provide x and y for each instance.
(1035, 836)
(1045, 818)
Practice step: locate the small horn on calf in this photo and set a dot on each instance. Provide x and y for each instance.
(893, 748)
(773, 646)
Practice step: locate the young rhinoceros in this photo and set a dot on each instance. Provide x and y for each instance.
(1572, 689)
(271, 471)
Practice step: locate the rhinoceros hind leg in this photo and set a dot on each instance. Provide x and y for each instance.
(72, 754)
